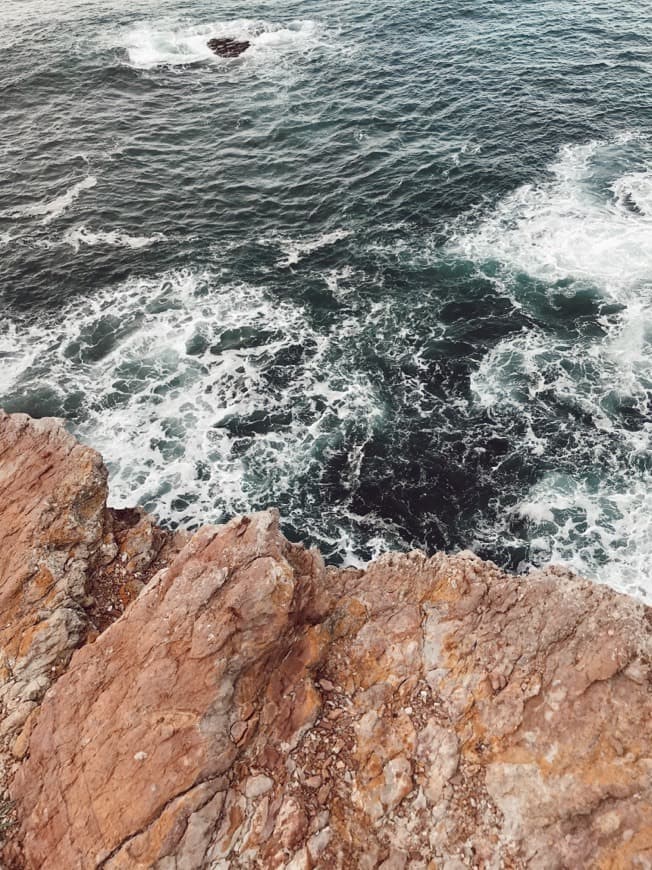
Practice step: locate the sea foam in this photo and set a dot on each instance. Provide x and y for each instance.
(205, 398)
(149, 45)
(82, 235)
(296, 250)
(578, 229)
(570, 226)
(56, 207)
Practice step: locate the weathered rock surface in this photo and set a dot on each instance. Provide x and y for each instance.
(53, 507)
(228, 47)
(255, 708)
(59, 545)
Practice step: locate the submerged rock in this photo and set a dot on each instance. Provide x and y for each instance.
(228, 47)
(253, 707)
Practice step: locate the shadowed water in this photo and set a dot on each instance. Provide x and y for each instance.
(390, 270)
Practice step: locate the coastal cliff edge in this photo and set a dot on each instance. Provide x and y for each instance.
(226, 700)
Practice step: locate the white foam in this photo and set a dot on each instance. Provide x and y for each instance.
(458, 149)
(601, 512)
(568, 227)
(339, 283)
(296, 250)
(634, 191)
(49, 211)
(82, 235)
(149, 45)
(603, 533)
(536, 511)
(164, 363)
(585, 229)
(16, 354)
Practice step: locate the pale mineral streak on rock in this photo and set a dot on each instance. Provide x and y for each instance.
(253, 708)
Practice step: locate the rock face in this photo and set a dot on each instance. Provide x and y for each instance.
(228, 47)
(60, 545)
(254, 708)
(53, 498)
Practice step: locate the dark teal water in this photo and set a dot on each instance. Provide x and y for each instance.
(390, 270)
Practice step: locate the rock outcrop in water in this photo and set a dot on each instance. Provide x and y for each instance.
(228, 47)
(252, 707)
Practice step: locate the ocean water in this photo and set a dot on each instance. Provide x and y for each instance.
(390, 270)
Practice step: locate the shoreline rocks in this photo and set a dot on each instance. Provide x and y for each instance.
(250, 706)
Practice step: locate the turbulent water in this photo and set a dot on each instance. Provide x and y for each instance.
(390, 270)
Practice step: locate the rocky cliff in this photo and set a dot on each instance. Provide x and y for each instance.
(227, 700)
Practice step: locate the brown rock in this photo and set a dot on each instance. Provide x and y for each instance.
(253, 708)
(58, 540)
(149, 707)
(52, 514)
